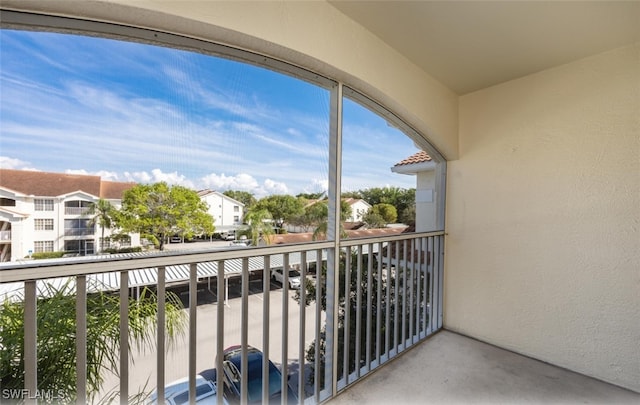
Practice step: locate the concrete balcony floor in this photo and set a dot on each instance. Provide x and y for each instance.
(450, 368)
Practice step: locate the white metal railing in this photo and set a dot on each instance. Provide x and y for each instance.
(76, 210)
(5, 235)
(388, 297)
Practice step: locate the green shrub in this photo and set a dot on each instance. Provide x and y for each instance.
(47, 255)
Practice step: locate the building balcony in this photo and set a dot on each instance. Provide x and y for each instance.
(451, 368)
(75, 211)
(5, 236)
(369, 300)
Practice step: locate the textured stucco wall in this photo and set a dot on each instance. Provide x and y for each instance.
(543, 217)
(313, 35)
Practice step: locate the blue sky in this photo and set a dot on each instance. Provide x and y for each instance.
(134, 112)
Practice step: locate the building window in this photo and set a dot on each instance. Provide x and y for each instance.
(42, 246)
(236, 208)
(43, 224)
(236, 218)
(78, 227)
(43, 204)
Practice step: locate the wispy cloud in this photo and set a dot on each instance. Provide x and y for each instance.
(132, 112)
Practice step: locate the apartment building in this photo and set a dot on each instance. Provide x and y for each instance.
(48, 212)
(227, 213)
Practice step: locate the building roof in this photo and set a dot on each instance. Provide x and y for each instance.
(206, 192)
(353, 233)
(419, 157)
(46, 184)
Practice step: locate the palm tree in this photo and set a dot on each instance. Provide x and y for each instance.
(57, 336)
(259, 221)
(102, 213)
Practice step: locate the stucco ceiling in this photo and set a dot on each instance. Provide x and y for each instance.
(470, 45)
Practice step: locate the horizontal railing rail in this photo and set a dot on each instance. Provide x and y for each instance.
(389, 295)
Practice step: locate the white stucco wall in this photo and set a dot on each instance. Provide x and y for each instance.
(543, 217)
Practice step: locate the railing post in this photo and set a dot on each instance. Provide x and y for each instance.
(124, 337)
(81, 340)
(30, 341)
(193, 329)
(160, 360)
(221, 298)
(333, 234)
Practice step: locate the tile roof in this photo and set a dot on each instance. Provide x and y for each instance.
(45, 184)
(418, 157)
(308, 237)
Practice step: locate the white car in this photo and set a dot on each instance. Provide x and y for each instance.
(177, 392)
(294, 277)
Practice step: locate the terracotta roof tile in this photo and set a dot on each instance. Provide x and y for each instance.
(45, 184)
(418, 157)
(308, 237)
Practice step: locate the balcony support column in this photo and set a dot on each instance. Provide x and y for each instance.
(333, 227)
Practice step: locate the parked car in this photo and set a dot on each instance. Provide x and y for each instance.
(232, 377)
(177, 392)
(294, 277)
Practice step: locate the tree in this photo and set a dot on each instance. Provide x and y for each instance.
(244, 197)
(398, 197)
(321, 216)
(311, 196)
(408, 215)
(259, 222)
(282, 207)
(348, 302)
(56, 337)
(386, 211)
(373, 220)
(103, 213)
(162, 210)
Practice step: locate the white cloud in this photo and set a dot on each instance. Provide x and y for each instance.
(104, 174)
(16, 164)
(242, 182)
(317, 186)
(274, 187)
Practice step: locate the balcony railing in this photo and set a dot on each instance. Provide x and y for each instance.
(5, 235)
(79, 231)
(372, 299)
(76, 210)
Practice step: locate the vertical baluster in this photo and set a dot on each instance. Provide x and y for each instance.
(405, 269)
(388, 306)
(379, 305)
(440, 279)
(285, 326)
(319, 278)
(161, 329)
(358, 313)
(30, 341)
(124, 337)
(266, 289)
(301, 341)
(369, 307)
(244, 333)
(81, 340)
(411, 267)
(347, 317)
(430, 276)
(193, 328)
(435, 301)
(221, 298)
(396, 300)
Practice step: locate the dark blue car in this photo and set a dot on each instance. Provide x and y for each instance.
(232, 366)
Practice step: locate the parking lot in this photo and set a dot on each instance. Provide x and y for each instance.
(142, 369)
